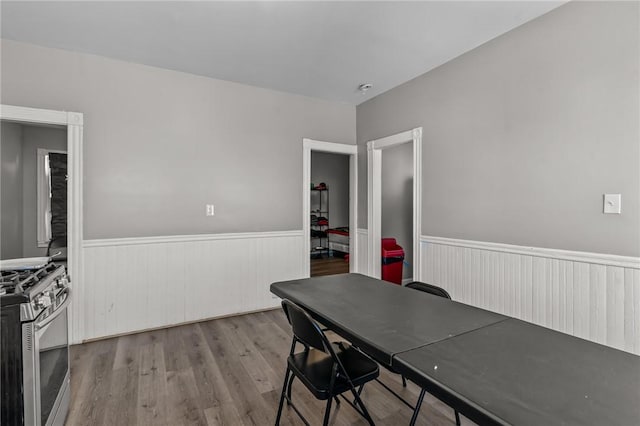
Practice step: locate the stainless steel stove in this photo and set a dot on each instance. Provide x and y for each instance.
(34, 344)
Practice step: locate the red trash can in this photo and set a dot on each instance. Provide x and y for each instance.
(392, 260)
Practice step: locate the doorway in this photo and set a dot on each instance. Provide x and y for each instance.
(33, 191)
(375, 151)
(329, 207)
(72, 123)
(397, 211)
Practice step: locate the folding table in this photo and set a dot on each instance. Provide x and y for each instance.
(491, 368)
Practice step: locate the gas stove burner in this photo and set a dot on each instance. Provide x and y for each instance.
(8, 281)
(8, 277)
(20, 281)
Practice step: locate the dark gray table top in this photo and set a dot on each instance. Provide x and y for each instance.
(514, 372)
(383, 319)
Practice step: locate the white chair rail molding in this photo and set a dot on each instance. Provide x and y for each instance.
(588, 295)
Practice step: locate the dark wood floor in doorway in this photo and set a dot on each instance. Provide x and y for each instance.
(221, 372)
(329, 266)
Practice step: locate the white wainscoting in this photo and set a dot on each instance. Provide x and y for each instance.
(592, 296)
(140, 283)
(362, 265)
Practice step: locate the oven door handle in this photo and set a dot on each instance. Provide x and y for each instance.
(47, 320)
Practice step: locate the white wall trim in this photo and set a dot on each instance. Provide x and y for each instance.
(135, 284)
(374, 199)
(361, 262)
(335, 148)
(73, 121)
(28, 115)
(589, 295)
(109, 242)
(574, 256)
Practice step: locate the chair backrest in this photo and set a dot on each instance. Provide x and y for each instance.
(428, 288)
(305, 329)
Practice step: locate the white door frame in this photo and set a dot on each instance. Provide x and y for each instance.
(309, 145)
(374, 199)
(73, 121)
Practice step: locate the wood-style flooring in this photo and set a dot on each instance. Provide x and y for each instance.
(221, 372)
(329, 266)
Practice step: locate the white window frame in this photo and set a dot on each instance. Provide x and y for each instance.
(44, 197)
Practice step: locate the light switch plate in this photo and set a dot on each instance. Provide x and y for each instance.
(612, 203)
(211, 211)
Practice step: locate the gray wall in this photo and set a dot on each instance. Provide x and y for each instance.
(332, 169)
(10, 190)
(34, 137)
(397, 199)
(524, 134)
(160, 144)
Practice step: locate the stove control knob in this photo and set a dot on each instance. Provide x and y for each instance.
(42, 302)
(39, 303)
(61, 283)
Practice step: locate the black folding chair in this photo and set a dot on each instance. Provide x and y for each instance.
(436, 291)
(326, 369)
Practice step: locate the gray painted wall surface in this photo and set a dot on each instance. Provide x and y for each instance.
(524, 134)
(10, 190)
(34, 137)
(332, 169)
(397, 199)
(160, 144)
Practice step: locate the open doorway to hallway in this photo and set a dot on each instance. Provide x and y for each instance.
(397, 212)
(329, 216)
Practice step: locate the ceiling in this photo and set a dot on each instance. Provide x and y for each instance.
(318, 49)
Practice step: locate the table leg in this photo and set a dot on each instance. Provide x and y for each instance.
(417, 409)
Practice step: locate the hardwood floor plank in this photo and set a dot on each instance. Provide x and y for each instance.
(251, 406)
(175, 357)
(182, 402)
(264, 376)
(224, 415)
(227, 371)
(212, 388)
(328, 266)
(94, 389)
(152, 386)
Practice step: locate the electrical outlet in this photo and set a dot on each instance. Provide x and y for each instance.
(211, 211)
(612, 203)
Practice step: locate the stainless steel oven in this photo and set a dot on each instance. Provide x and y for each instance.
(35, 348)
(45, 349)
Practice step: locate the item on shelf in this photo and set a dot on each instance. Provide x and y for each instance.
(321, 186)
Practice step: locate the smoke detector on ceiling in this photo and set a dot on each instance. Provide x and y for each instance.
(364, 87)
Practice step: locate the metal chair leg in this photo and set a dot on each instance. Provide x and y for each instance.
(289, 388)
(365, 412)
(327, 411)
(417, 409)
(284, 387)
(457, 417)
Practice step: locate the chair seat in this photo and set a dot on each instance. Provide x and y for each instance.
(314, 369)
